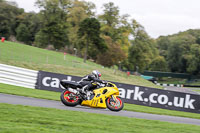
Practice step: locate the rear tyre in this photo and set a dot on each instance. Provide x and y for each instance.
(114, 106)
(69, 99)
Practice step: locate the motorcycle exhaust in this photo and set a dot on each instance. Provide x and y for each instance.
(69, 89)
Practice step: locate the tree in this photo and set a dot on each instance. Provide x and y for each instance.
(110, 21)
(23, 34)
(139, 55)
(143, 49)
(198, 40)
(8, 13)
(181, 51)
(111, 14)
(114, 55)
(89, 32)
(79, 11)
(193, 59)
(124, 31)
(158, 64)
(179, 47)
(41, 39)
(116, 28)
(163, 44)
(54, 15)
(32, 23)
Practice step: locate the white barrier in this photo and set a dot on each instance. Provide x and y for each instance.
(18, 76)
(172, 85)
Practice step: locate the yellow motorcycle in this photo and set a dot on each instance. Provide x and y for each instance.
(106, 96)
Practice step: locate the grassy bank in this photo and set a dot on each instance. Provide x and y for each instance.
(23, 119)
(9, 89)
(40, 59)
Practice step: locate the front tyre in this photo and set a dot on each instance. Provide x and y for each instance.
(114, 105)
(69, 99)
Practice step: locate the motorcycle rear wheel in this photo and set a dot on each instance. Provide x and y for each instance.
(114, 106)
(69, 99)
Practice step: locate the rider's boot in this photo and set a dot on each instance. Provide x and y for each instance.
(84, 91)
(89, 93)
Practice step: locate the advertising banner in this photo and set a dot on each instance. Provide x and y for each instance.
(131, 94)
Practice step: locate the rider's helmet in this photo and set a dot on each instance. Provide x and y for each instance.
(96, 73)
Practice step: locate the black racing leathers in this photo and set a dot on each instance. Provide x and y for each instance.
(88, 82)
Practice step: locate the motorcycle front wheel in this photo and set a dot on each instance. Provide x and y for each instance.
(114, 105)
(69, 99)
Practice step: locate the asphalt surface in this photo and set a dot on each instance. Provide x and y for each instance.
(13, 99)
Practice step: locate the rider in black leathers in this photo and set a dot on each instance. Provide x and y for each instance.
(89, 82)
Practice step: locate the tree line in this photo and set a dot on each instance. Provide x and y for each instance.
(181, 51)
(110, 39)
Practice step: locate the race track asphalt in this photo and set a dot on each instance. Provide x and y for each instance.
(21, 100)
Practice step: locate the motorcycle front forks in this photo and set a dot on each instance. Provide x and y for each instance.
(114, 99)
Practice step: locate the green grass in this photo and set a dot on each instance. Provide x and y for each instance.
(196, 90)
(21, 91)
(9, 89)
(41, 59)
(151, 110)
(23, 119)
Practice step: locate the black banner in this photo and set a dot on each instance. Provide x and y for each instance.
(131, 94)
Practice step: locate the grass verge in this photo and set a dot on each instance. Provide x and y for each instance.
(197, 90)
(9, 89)
(22, 119)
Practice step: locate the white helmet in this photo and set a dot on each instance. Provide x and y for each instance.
(96, 73)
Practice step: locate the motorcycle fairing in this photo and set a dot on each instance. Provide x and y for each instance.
(99, 100)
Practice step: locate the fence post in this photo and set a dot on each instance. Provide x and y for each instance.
(65, 56)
